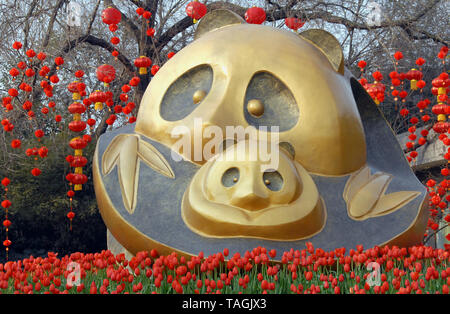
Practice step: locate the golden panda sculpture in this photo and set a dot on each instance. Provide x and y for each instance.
(180, 181)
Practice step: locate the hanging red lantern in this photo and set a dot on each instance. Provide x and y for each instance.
(140, 11)
(41, 56)
(36, 172)
(14, 72)
(142, 63)
(147, 15)
(150, 32)
(17, 45)
(134, 81)
(255, 15)
(115, 40)
(111, 16)
(293, 23)
(77, 126)
(106, 73)
(362, 64)
(77, 107)
(154, 69)
(376, 91)
(91, 122)
(398, 55)
(113, 28)
(420, 61)
(79, 73)
(196, 10)
(413, 76)
(77, 143)
(30, 53)
(78, 161)
(59, 61)
(441, 127)
(98, 98)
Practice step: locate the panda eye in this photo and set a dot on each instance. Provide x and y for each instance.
(273, 180)
(186, 93)
(269, 102)
(230, 177)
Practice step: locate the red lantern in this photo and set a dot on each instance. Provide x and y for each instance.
(79, 179)
(14, 72)
(111, 16)
(441, 127)
(91, 122)
(77, 107)
(398, 55)
(142, 63)
(35, 172)
(196, 10)
(41, 56)
(293, 23)
(420, 61)
(77, 126)
(150, 32)
(154, 69)
(135, 81)
(98, 98)
(77, 143)
(59, 61)
(30, 53)
(440, 109)
(255, 15)
(78, 161)
(362, 64)
(414, 75)
(79, 73)
(115, 40)
(106, 73)
(17, 45)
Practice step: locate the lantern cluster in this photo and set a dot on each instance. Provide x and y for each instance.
(376, 89)
(112, 17)
(6, 204)
(146, 15)
(77, 125)
(441, 109)
(196, 10)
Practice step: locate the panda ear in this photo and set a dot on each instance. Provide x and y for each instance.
(216, 19)
(329, 46)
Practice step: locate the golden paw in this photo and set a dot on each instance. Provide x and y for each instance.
(365, 195)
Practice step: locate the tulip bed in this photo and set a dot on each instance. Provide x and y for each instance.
(415, 270)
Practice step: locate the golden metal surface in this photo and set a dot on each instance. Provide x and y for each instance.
(255, 107)
(328, 137)
(249, 208)
(198, 96)
(216, 19)
(365, 195)
(126, 151)
(329, 46)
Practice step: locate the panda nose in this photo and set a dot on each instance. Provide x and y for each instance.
(250, 194)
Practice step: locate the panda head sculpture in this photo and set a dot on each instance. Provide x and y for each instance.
(340, 179)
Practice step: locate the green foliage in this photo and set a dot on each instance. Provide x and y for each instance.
(40, 204)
